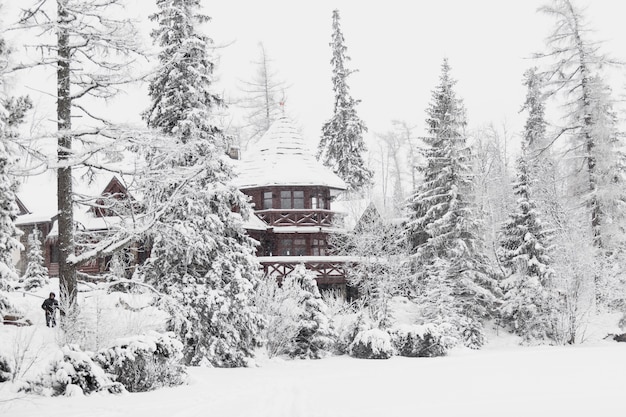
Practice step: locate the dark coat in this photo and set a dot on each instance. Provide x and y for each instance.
(49, 305)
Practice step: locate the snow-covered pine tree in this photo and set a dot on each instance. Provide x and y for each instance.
(528, 297)
(342, 147)
(443, 233)
(315, 335)
(575, 73)
(201, 256)
(8, 214)
(36, 274)
(11, 114)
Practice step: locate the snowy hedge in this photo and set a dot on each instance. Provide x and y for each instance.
(73, 372)
(428, 340)
(144, 363)
(372, 344)
(5, 369)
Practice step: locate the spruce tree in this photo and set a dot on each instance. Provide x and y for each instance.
(452, 275)
(8, 215)
(524, 254)
(36, 274)
(201, 256)
(12, 112)
(342, 147)
(314, 337)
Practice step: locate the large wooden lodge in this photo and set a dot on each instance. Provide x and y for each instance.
(292, 195)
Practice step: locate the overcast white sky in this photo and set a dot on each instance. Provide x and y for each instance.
(397, 46)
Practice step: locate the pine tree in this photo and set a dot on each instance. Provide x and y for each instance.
(342, 147)
(442, 232)
(11, 114)
(36, 274)
(315, 336)
(524, 253)
(201, 256)
(8, 215)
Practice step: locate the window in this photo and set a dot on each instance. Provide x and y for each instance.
(284, 247)
(318, 247)
(54, 253)
(317, 202)
(267, 200)
(298, 200)
(292, 247)
(292, 200)
(299, 247)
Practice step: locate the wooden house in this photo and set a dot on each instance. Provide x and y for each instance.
(292, 195)
(99, 219)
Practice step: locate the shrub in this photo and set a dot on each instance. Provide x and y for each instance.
(144, 363)
(348, 327)
(5, 369)
(73, 372)
(372, 344)
(428, 340)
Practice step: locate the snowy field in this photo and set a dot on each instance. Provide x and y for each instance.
(502, 379)
(584, 380)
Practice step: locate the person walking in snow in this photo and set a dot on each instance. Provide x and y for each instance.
(50, 305)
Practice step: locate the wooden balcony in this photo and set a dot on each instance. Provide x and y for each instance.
(297, 217)
(327, 269)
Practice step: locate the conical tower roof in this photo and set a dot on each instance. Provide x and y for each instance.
(282, 157)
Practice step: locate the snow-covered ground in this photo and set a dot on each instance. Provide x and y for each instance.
(544, 381)
(502, 379)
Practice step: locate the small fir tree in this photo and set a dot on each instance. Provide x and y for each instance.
(201, 256)
(315, 336)
(36, 275)
(524, 254)
(342, 147)
(443, 235)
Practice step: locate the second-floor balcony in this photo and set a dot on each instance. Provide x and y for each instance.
(297, 217)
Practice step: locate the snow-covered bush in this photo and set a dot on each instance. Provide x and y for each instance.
(315, 336)
(5, 304)
(348, 326)
(144, 363)
(5, 369)
(72, 372)
(279, 308)
(297, 321)
(426, 340)
(372, 344)
(472, 333)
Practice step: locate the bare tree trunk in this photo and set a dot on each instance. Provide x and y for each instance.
(67, 271)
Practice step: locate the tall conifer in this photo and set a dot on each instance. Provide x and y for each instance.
(201, 255)
(452, 273)
(342, 147)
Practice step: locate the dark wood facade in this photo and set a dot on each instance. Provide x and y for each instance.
(298, 222)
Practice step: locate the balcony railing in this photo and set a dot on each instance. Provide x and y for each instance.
(296, 217)
(325, 272)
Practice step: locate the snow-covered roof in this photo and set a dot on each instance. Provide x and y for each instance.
(254, 223)
(282, 157)
(38, 194)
